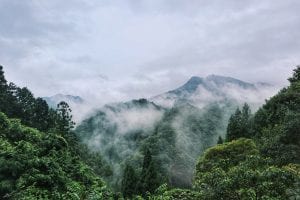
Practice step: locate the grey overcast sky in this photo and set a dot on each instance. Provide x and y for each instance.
(121, 49)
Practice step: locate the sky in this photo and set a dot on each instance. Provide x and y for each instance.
(115, 50)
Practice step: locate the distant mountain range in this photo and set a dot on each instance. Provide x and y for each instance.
(78, 105)
(202, 91)
(179, 124)
(56, 99)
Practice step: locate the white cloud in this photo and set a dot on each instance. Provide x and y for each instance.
(144, 47)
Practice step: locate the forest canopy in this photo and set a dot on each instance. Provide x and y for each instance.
(42, 157)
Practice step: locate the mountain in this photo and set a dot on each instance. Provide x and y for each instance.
(56, 99)
(212, 83)
(213, 88)
(80, 108)
(176, 126)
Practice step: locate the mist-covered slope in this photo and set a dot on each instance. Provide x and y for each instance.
(176, 126)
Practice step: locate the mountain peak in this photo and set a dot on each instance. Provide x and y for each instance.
(195, 79)
(192, 84)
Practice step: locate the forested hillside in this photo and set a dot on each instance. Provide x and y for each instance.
(176, 127)
(257, 157)
(45, 160)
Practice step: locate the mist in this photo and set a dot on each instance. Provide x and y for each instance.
(181, 124)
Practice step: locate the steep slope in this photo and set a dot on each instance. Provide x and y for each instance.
(175, 134)
(117, 130)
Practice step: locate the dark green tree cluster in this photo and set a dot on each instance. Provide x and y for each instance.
(145, 182)
(45, 160)
(20, 103)
(236, 170)
(239, 124)
(129, 182)
(36, 165)
(275, 126)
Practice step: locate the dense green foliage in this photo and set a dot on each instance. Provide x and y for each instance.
(129, 182)
(46, 161)
(41, 158)
(175, 140)
(38, 165)
(263, 167)
(20, 103)
(277, 124)
(235, 170)
(239, 124)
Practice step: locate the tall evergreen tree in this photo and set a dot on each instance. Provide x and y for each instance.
(239, 124)
(27, 101)
(246, 112)
(3, 91)
(220, 140)
(41, 115)
(233, 128)
(3, 82)
(149, 180)
(64, 122)
(129, 182)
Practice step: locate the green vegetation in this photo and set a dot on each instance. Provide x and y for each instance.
(175, 140)
(35, 165)
(239, 124)
(236, 170)
(266, 166)
(42, 158)
(46, 161)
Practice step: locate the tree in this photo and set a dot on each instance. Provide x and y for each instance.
(40, 116)
(3, 92)
(35, 165)
(3, 82)
(64, 121)
(235, 170)
(233, 128)
(129, 182)
(239, 124)
(296, 75)
(149, 180)
(246, 112)
(26, 101)
(220, 140)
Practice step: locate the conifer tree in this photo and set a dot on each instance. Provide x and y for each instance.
(3, 82)
(239, 124)
(3, 91)
(220, 140)
(149, 180)
(129, 182)
(64, 122)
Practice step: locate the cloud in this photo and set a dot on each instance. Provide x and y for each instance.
(124, 49)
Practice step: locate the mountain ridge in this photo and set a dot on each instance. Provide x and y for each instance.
(198, 89)
(57, 98)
